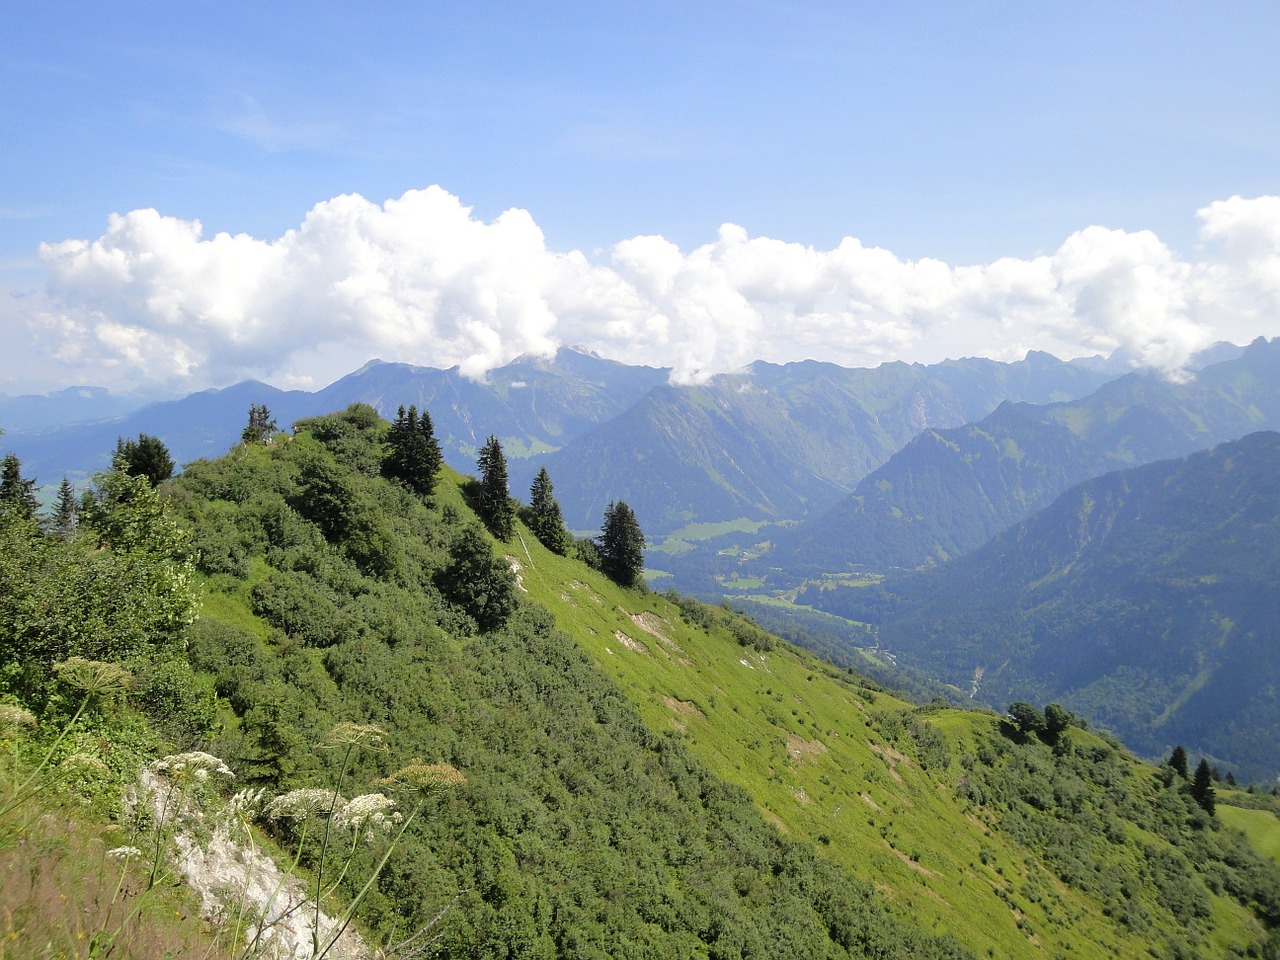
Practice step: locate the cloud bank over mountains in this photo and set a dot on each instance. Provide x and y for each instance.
(154, 303)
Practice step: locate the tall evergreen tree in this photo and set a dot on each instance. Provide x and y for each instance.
(17, 494)
(493, 498)
(1202, 787)
(397, 462)
(545, 517)
(66, 511)
(1178, 761)
(432, 458)
(145, 457)
(622, 545)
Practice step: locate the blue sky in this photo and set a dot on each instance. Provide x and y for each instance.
(963, 134)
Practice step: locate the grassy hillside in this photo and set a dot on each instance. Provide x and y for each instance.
(638, 775)
(953, 821)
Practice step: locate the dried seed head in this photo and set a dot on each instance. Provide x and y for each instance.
(94, 676)
(357, 734)
(427, 777)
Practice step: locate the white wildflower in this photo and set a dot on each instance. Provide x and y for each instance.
(15, 721)
(124, 853)
(302, 804)
(197, 764)
(245, 803)
(369, 812)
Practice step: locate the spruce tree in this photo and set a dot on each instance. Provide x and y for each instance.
(1202, 787)
(66, 511)
(545, 518)
(413, 454)
(1178, 761)
(17, 494)
(493, 500)
(622, 545)
(431, 459)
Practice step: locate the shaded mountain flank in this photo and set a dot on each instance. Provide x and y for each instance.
(1145, 599)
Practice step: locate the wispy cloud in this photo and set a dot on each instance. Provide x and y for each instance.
(247, 119)
(420, 279)
(15, 214)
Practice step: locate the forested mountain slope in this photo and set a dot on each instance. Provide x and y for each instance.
(1145, 599)
(949, 491)
(775, 442)
(633, 775)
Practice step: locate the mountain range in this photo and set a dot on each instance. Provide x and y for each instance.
(773, 443)
(948, 491)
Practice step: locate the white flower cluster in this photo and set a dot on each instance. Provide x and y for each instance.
(304, 803)
(369, 812)
(15, 720)
(244, 804)
(200, 765)
(124, 853)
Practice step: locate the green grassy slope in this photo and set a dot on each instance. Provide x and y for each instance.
(581, 831)
(876, 785)
(649, 777)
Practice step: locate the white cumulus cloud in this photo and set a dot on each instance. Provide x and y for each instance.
(420, 279)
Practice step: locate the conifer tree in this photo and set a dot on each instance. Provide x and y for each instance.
(622, 545)
(493, 498)
(1178, 761)
(396, 463)
(1202, 787)
(432, 458)
(261, 424)
(545, 517)
(145, 457)
(414, 453)
(66, 511)
(17, 494)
